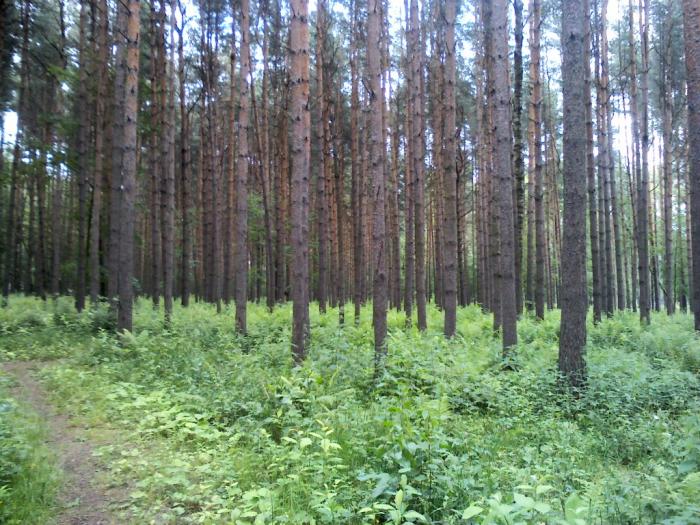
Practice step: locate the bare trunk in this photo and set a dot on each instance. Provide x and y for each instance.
(301, 131)
(574, 305)
(241, 255)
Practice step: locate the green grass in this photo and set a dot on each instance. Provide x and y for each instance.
(222, 429)
(28, 478)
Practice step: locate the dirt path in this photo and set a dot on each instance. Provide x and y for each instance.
(83, 501)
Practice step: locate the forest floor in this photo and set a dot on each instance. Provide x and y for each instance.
(196, 424)
(83, 498)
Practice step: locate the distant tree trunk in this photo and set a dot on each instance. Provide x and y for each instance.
(301, 131)
(604, 168)
(169, 171)
(185, 167)
(450, 172)
(321, 201)
(230, 190)
(376, 151)
(241, 254)
(680, 224)
(417, 147)
(518, 163)
(574, 304)
(536, 155)
(667, 126)
(392, 192)
(83, 132)
(101, 64)
(591, 180)
(534, 147)
(643, 174)
(502, 165)
(356, 167)
(691, 25)
(409, 206)
(155, 143)
(340, 223)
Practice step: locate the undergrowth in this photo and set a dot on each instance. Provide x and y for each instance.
(28, 480)
(222, 428)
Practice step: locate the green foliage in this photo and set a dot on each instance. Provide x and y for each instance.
(27, 479)
(222, 429)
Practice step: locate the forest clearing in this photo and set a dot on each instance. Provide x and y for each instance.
(349, 262)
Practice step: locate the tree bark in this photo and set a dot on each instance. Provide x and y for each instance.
(417, 147)
(691, 31)
(502, 165)
(126, 188)
(301, 131)
(574, 303)
(241, 255)
(376, 151)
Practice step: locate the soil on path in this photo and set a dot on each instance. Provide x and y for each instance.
(83, 501)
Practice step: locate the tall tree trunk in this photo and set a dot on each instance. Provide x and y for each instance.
(83, 132)
(534, 149)
(127, 91)
(101, 63)
(502, 165)
(450, 172)
(301, 131)
(591, 180)
(417, 148)
(185, 167)
(321, 201)
(356, 168)
(116, 192)
(691, 31)
(241, 254)
(667, 126)
(154, 151)
(643, 173)
(376, 151)
(518, 164)
(169, 170)
(409, 206)
(230, 190)
(574, 303)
